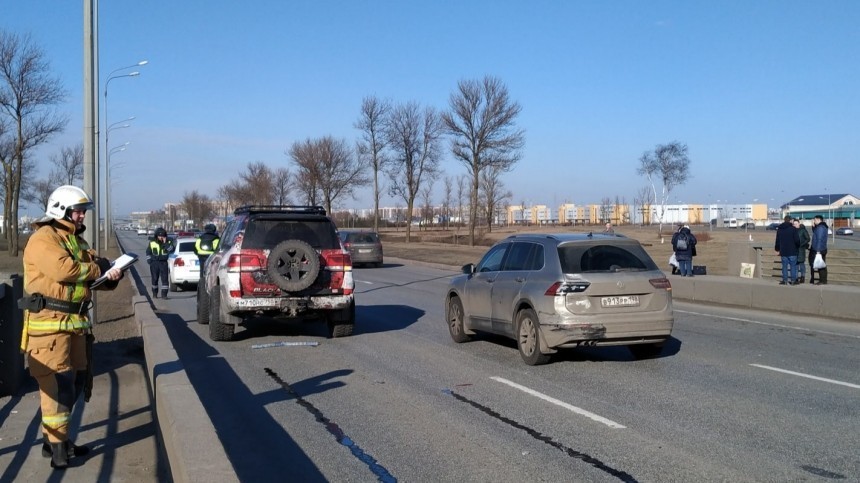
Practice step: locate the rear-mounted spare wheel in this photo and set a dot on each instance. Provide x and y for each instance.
(293, 265)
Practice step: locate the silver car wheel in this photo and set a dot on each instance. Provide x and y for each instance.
(455, 320)
(528, 338)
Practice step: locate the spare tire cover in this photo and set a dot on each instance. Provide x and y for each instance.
(293, 265)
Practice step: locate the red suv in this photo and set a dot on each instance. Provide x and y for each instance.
(282, 262)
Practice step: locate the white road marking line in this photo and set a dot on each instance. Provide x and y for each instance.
(364, 281)
(580, 411)
(737, 319)
(800, 374)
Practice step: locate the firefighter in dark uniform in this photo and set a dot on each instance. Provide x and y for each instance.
(57, 337)
(157, 253)
(206, 245)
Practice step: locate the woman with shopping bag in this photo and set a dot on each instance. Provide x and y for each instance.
(818, 251)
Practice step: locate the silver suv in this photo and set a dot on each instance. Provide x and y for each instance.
(282, 262)
(551, 292)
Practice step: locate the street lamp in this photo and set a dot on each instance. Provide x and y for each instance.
(108, 153)
(111, 77)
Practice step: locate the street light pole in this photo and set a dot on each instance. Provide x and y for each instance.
(111, 77)
(108, 152)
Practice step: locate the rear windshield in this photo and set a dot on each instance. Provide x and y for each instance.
(262, 233)
(584, 258)
(186, 246)
(362, 238)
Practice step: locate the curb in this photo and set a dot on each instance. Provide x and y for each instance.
(191, 443)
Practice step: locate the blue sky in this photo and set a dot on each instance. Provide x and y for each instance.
(764, 93)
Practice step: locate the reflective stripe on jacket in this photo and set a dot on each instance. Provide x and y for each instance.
(203, 248)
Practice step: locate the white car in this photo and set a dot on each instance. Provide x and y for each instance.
(141, 231)
(183, 264)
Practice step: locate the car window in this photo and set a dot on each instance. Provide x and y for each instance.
(521, 256)
(492, 261)
(187, 246)
(230, 232)
(266, 233)
(580, 258)
(363, 238)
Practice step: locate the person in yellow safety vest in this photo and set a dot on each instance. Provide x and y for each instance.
(157, 254)
(206, 245)
(58, 268)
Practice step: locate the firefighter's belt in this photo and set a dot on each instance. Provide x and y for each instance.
(37, 302)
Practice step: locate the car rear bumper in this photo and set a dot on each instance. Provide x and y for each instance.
(290, 306)
(602, 330)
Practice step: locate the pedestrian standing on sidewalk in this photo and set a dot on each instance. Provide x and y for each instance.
(58, 269)
(786, 245)
(818, 245)
(803, 234)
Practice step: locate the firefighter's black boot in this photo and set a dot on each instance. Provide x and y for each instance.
(72, 450)
(59, 456)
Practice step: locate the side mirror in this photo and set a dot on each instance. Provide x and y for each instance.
(468, 268)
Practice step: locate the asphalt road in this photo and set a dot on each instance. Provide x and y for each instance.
(738, 396)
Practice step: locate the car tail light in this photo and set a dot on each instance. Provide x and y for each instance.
(178, 262)
(245, 261)
(340, 264)
(661, 283)
(564, 288)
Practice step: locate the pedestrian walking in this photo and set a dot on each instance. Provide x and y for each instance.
(787, 244)
(684, 245)
(818, 245)
(157, 254)
(803, 234)
(57, 337)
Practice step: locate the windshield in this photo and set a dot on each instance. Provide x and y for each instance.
(583, 258)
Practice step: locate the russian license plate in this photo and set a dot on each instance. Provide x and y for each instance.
(620, 301)
(364, 250)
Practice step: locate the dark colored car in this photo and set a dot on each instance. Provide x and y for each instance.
(773, 226)
(747, 226)
(363, 246)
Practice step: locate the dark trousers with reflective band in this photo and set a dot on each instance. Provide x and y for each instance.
(58, 362)
(158, 271)
(822, 274)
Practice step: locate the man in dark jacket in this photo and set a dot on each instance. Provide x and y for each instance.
(801, 252)
(818, 245)
(786, 246)
(684, 245)
(206, 245)
(157, 254)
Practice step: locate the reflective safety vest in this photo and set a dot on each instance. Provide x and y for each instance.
(205, 249)
(156, 248)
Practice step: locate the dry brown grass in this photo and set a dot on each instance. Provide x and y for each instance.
(452, 246)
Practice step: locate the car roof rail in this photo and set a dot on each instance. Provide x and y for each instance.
(302, 209)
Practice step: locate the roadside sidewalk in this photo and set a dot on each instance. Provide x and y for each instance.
(117, 424)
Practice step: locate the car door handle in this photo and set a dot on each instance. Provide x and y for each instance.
(519, 279)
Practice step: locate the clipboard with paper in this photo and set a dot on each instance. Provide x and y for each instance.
(123, 262)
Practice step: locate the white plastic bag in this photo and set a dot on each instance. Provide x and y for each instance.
(818, 263)
(674, 261)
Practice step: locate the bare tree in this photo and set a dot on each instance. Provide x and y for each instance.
(331, 166)
(28, 95)
(427, 204)
(414, 136)
(281, 179)
(70, 164)
(481, 121)
(447, 197)
(198, 206)
(494, 192)
(670, 166)
(255, 186)
(461, 197)
(643, 199)
(371, 147)
(605, 209)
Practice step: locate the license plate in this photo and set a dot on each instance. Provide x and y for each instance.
(620, 301)
(364, 250)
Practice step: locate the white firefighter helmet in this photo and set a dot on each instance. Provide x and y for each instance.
(65, 198)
